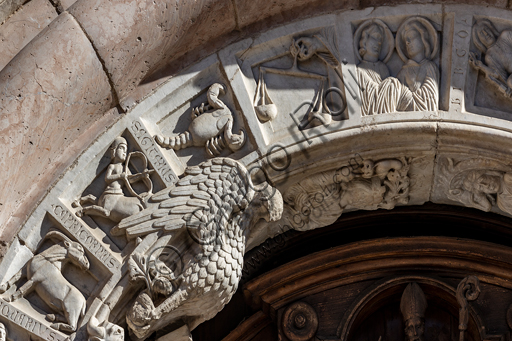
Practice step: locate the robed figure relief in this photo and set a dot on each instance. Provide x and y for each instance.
(416, 86)
(496, 49)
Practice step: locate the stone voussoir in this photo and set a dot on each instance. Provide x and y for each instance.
(52, 92)
(135, 37)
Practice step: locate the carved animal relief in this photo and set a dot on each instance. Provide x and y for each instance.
(113, 204)
(211, 127)
(210, 210)
(43, 275)
(367, 185)
(143, 237)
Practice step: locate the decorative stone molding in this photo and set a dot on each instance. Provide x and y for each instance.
(164, 204)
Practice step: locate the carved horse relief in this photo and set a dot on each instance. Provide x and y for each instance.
(113, 204)
(44, 276)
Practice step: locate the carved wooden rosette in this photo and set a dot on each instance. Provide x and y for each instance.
(146, 233)
(355, 292)
(299, 322)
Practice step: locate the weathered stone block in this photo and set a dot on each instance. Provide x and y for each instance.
(135, 37)
(52, 92)
(23, 26)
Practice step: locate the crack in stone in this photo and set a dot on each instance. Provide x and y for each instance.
(115, 97)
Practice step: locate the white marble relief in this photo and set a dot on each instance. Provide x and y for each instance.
(328, 100)
(319, 200)
(496, 50)
(113, 204)
(211, 127)
(479, 183)
(416, 86)
(156, 259)
(43, 275)
(211, 209)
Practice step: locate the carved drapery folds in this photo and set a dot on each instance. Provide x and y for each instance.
(184, 265)
(493, 56)
(148, 229)
(416, 86)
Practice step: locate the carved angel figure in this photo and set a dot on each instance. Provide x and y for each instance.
(211, 127)
(210, 211)
(497, 47)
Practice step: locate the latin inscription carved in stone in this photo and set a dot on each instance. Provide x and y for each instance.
(166, 247)
(82, 234)
(150, 149)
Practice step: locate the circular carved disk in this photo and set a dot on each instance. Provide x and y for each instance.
(300, 322)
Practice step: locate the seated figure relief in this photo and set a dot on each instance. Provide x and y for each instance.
(416, 86)
(497, 50)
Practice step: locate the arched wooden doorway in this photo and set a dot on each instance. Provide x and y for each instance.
(352, 275)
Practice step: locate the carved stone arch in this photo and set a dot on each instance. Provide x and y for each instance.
(439, 295)
(150, 132)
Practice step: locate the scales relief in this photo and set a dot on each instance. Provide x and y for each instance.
(137, 247)
(149, 229)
